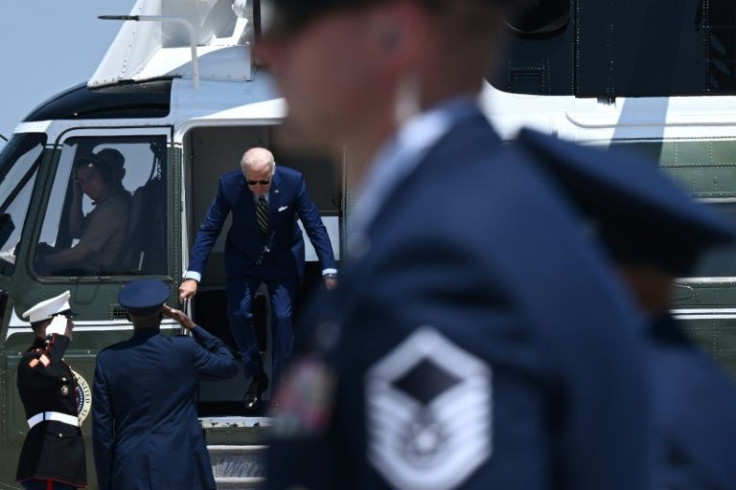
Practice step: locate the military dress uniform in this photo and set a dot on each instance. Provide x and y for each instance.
(145, 432)
(655, 225)
(459, 350)
(53, 448)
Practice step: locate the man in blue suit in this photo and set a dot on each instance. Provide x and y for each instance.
(145, 428)
(656, 234)
(264, 245)
(477, 340)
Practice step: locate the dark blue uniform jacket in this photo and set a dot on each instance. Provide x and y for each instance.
(476, 247)
(146, 433)
(695, 414)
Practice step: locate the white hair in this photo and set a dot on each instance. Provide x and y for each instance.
(256, 156)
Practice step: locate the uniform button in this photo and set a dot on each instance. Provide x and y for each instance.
(64, 380)
(61, 435)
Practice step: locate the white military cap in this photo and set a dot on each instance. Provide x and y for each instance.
(50, 307)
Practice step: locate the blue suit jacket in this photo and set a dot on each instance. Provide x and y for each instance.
(145, 428)
(478, 246)
(288, 200)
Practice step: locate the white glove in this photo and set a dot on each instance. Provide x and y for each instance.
(57, 325)
(240, 7)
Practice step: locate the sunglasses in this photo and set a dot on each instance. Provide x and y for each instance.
(259, 182)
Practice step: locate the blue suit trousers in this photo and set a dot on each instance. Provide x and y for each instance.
(281, 293)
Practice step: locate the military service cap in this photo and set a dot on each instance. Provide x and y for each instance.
(143, 297)
(289, 16)
(58, 305)
(642, 216)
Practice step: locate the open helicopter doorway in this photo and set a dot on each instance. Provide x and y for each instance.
(208, 153)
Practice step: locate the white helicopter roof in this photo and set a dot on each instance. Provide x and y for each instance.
(154, 41)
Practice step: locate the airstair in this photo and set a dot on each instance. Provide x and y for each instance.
(237, 450)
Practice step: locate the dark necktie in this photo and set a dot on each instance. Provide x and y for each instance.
(262, 213)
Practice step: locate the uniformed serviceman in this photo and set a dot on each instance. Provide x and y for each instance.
(655, 234)
(476, 340)
(146, 433)
(53, 451)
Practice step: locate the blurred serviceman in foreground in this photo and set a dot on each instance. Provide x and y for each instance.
(476, 340)
(656, 234)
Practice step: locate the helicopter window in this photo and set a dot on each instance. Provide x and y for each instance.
(107, 210)
(18, 168)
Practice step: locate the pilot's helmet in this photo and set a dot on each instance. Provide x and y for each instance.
(115, 161)
(92, 160)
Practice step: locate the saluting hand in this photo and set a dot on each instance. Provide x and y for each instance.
(187, 290)
(179, 316)
(330, 282)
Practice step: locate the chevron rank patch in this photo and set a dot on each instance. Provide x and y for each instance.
(429, 414)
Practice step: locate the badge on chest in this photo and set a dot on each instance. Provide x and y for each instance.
(428, 413)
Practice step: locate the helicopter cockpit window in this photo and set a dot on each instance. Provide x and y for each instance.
(19, 163)
(107, 211)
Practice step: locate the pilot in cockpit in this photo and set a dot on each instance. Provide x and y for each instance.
(102, 231)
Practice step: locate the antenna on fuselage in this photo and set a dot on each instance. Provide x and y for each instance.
(162, 18)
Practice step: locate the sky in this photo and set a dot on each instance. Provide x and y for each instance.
(47, 46)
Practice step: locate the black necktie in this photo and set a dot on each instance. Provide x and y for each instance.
(262, 213)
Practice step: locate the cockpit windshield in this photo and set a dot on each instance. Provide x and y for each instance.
(19, 162)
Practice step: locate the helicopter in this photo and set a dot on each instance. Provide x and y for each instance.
(179, 95)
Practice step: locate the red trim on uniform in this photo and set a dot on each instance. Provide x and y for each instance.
(49, 485)
(51, 481)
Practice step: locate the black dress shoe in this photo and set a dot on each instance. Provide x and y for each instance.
(258, 385)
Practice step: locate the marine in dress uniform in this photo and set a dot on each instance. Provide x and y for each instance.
(476, 340)
(656, 233)
(146, 434)
(53, 451)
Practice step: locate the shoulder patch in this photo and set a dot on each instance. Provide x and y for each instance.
(428, 413)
